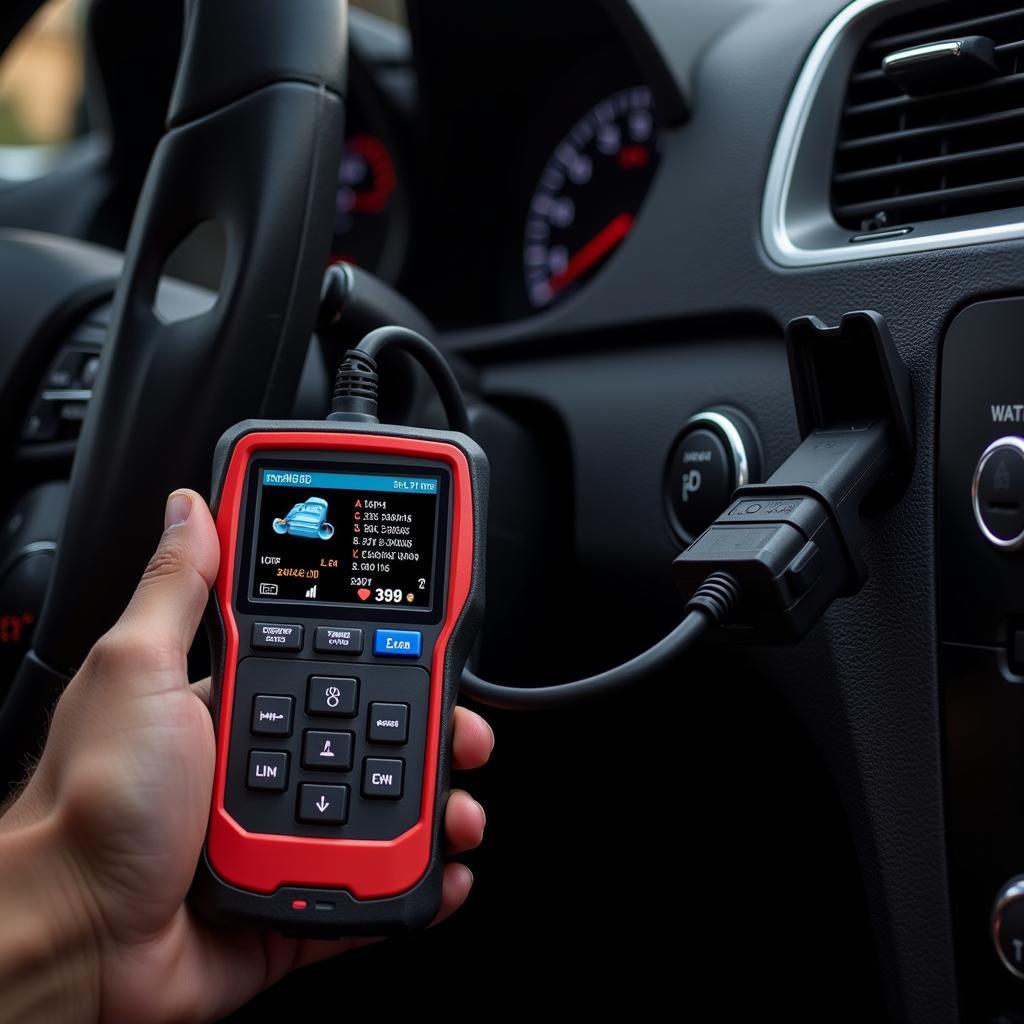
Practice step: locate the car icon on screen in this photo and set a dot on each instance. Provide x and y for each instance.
(307, 519)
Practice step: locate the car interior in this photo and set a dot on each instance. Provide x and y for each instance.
(711, 275)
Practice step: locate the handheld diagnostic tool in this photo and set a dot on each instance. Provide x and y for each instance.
(349, 593)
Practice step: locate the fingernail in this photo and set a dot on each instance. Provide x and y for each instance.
(491, 730)
(178, 509)
(472, 879)
(483, 813)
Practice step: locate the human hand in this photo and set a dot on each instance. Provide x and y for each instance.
(97, 853)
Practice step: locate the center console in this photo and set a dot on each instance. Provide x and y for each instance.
(980, 534)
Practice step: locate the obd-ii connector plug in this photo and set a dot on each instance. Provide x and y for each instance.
(792, 544)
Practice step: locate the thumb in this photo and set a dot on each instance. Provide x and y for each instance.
(168, 603)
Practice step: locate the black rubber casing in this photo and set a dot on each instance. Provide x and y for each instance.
(224, 903)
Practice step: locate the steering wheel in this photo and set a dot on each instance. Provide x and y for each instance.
(252, 142)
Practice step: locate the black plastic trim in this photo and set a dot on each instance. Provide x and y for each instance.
(416, 908)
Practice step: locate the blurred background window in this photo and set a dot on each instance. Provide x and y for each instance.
(41, 79)
(393, 10)
(42, 84)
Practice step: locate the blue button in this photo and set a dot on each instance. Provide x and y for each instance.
(397, 643)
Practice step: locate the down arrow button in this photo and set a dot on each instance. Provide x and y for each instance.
(323, 805)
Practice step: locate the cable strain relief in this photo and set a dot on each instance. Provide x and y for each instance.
(356, 386)
(717, 596)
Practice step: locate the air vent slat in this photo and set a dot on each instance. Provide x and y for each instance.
(902, 159)
(908, 102)
(933, 163)
(869, 208)
(968, 26)
(861, 77)
(930, 130)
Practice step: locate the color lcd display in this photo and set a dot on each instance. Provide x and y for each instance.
(355, 537)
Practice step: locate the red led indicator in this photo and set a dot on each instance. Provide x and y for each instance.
(634, 156)
(299, 904)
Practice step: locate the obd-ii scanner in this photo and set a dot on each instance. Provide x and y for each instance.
(349, 594)
(350, 590)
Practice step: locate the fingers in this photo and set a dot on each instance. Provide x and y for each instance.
(202, 690)
(232, 956)
(458, 880)
(473, 740)
(464, 822)
(455, 888)
(169, 601)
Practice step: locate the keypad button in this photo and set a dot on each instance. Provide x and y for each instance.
(268, 769)
(337, 640)
(388, 723)
(332, 695)
(397, 643)
(43, 424)
(271, 715)
(90, 368)
(65, 369)
(322, 805)
(382, 777)
(276, 636)
(330, 751)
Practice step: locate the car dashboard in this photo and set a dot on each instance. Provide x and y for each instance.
(483, 189)
(609, 212)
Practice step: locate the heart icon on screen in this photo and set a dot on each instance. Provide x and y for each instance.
(363, 594)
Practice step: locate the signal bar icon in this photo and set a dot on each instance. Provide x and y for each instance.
(312, 591)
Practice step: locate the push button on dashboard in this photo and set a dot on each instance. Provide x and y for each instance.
(701, 480)
(1008, 926)
(997, 493)
(714, 456)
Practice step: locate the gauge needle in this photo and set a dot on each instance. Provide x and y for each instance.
(596, 249)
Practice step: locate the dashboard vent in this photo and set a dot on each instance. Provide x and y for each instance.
(955, 150)
(58, 406)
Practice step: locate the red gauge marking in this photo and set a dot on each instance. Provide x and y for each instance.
(594, 251)
(376, 198)
(634, 156)
(13, 627)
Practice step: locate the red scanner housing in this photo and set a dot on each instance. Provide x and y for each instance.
(257, 866)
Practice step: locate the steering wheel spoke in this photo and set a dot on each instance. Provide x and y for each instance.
(253, 143)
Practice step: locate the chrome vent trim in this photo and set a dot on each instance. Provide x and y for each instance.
(797, 226)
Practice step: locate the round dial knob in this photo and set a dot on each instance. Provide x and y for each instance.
(716, 453)
(1008, 926)
(997, 493)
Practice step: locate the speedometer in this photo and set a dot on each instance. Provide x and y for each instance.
(364, 204)
(589, 194)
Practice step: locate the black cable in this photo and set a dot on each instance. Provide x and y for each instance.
(708, 607)
(528, 698)
(355, 388)
(355, 399)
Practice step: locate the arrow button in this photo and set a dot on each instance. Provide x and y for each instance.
(271, 715)
(322, 805)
